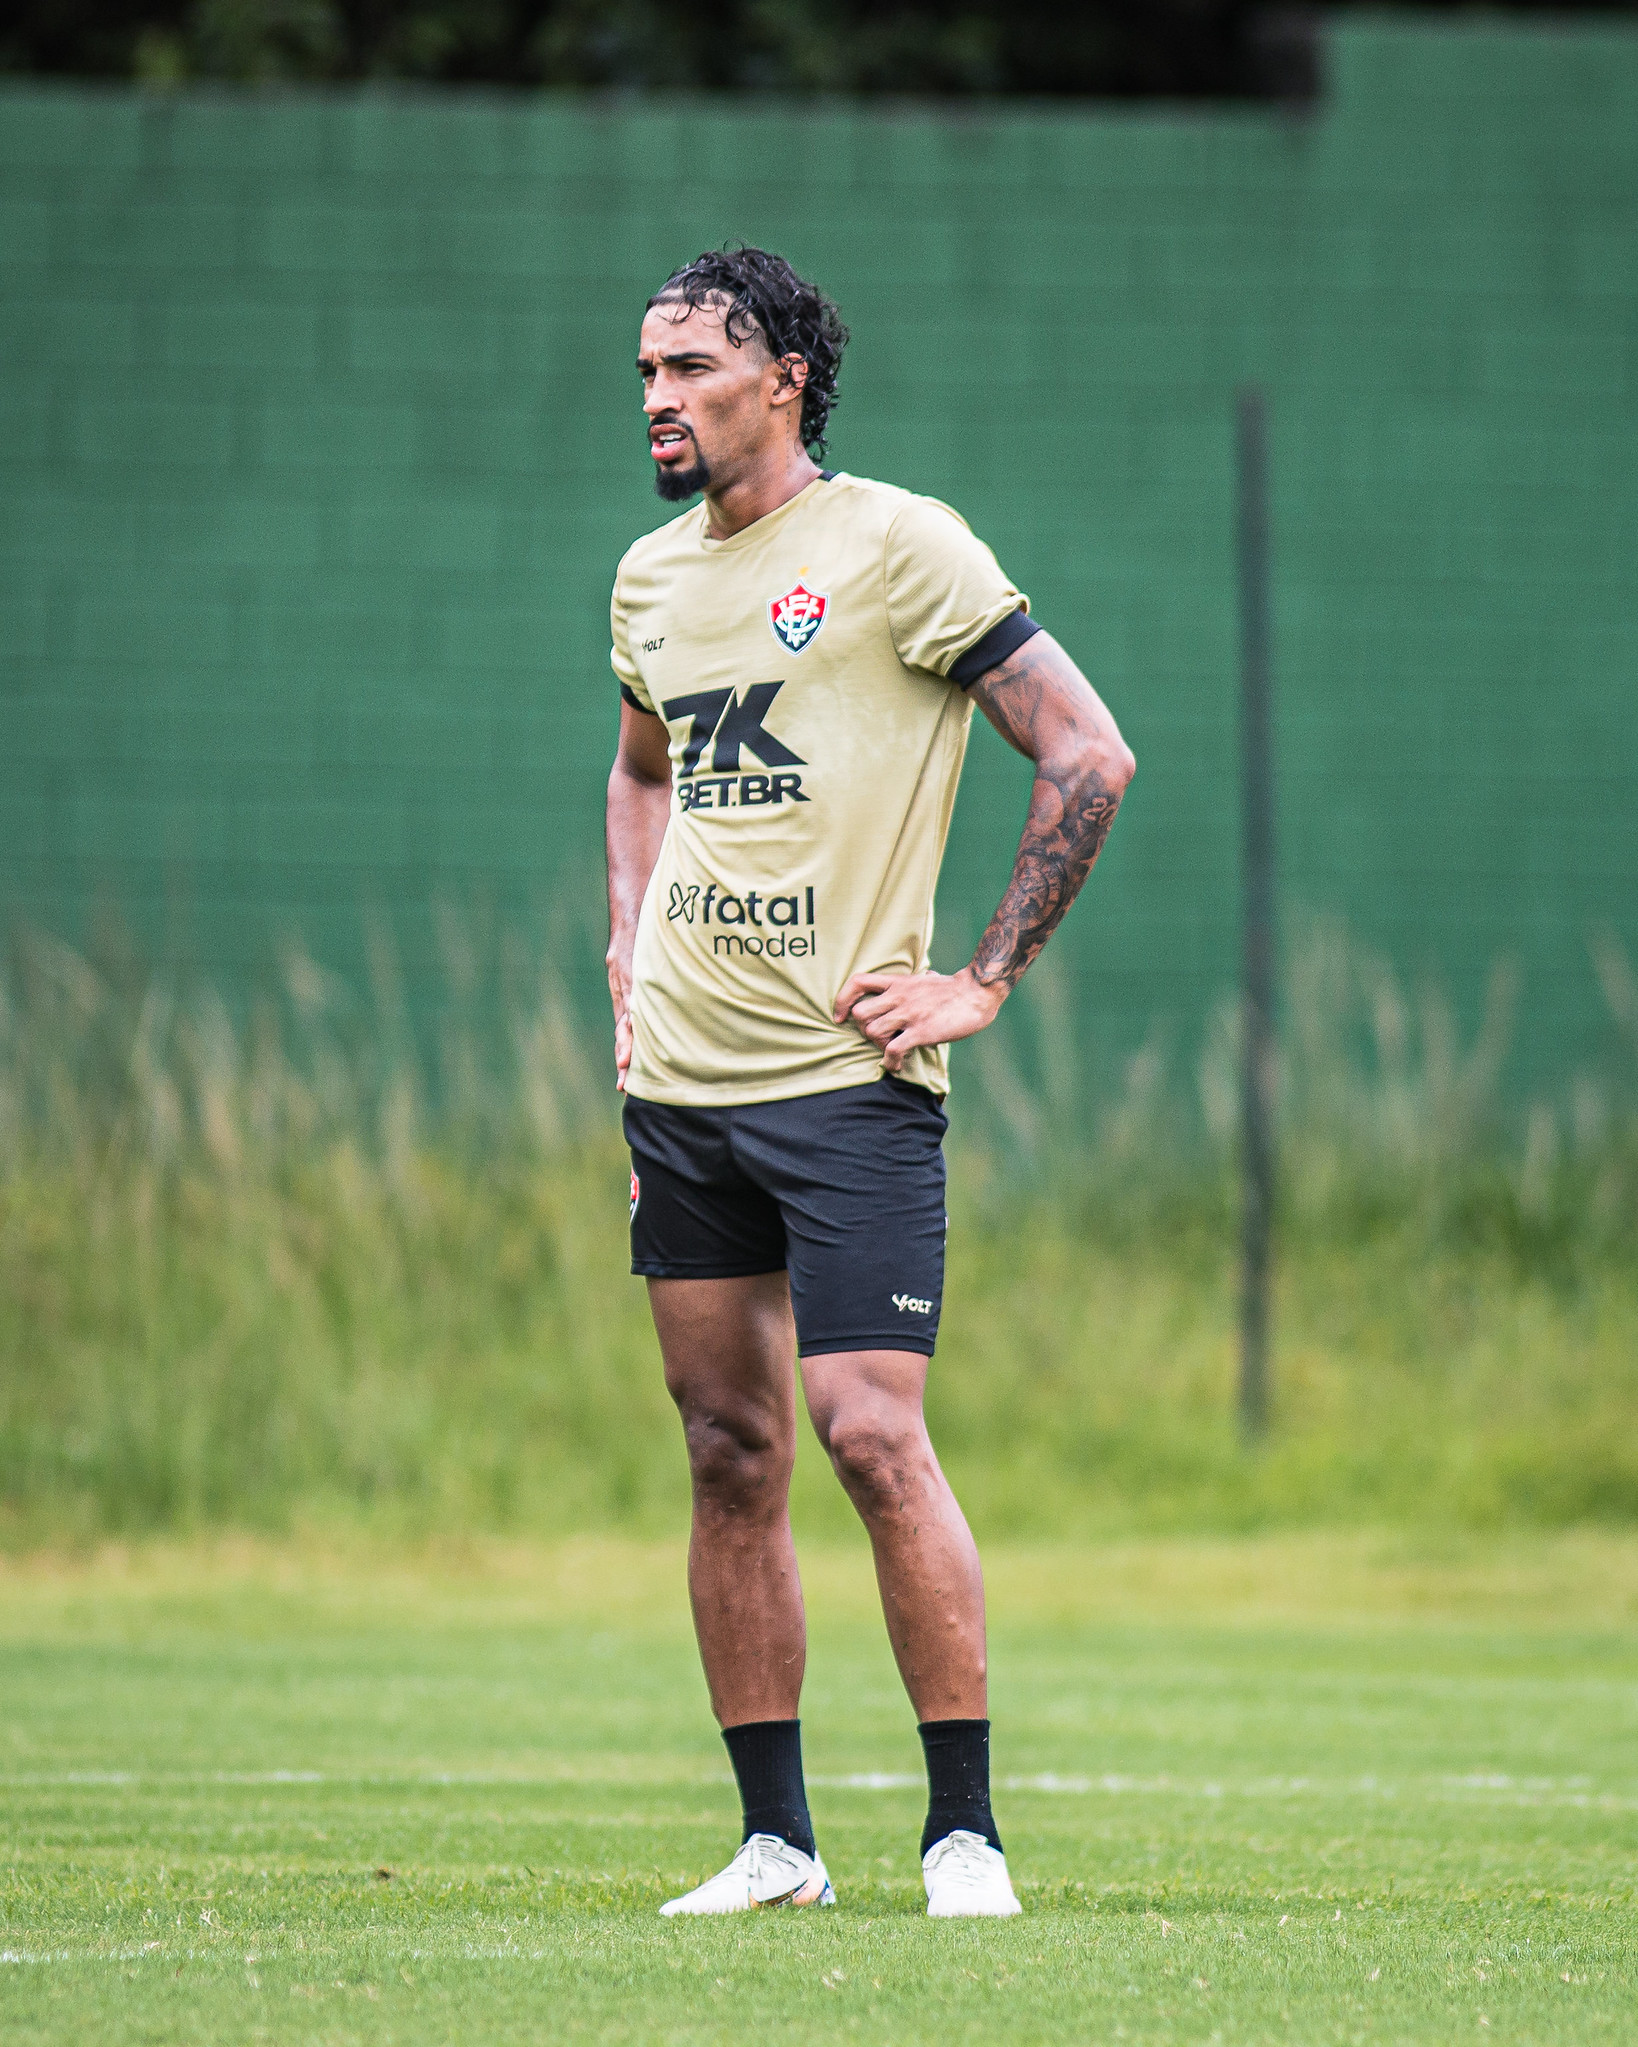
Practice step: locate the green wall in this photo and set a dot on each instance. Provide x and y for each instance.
(319, 442)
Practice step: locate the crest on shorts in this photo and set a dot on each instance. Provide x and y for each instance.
(797, 616)
(636, 1192)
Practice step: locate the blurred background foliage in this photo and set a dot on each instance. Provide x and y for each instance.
(286, 1271)
(1171, 49)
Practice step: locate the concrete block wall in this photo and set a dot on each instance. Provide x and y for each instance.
(319, 442)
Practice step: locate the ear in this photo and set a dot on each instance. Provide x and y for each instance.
(793, 374)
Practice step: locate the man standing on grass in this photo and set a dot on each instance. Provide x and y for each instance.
(798, 657)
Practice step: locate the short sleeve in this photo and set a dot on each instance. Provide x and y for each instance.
(631, 682)
(945, 589)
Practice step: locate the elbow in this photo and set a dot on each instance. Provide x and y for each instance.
(1113, 764)
(1096, 770)
(1092, 760)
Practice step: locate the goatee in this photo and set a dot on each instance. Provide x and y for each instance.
(676, 484)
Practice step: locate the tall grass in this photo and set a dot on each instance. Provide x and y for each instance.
(293, 1266)
(1388, 1122)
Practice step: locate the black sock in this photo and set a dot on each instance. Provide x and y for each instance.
(958, 1780)
(767, 1760)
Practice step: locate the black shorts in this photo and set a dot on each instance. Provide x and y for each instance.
(843, 1190)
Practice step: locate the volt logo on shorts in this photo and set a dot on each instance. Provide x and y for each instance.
(910, 1304)
(636, 1192)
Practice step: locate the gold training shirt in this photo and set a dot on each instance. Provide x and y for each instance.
(808, 669)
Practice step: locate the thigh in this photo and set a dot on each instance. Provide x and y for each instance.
(729, 1351)
(859, 1177)
(879, 1393)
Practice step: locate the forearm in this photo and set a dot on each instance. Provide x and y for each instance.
(1040, 703)
(638, 810)
(1070, 812)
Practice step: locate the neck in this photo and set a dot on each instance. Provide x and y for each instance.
(731, 507)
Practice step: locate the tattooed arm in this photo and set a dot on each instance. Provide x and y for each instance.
(1040, 703)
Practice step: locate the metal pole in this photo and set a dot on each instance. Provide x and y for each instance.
(1257, 886)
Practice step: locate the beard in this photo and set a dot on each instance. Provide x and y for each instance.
(676, 484)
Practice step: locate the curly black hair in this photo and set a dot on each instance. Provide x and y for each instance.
(766, 296)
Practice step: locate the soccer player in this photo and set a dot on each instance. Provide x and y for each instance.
(798, 657)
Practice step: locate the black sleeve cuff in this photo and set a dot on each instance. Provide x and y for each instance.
(631, 697)
(989, 652)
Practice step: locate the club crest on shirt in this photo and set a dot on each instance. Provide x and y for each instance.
(797, 616)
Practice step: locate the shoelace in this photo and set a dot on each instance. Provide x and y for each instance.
(964, 1859)
(749, 1859)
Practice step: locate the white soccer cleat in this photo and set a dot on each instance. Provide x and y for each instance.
(967, 1879)
(766, 1871)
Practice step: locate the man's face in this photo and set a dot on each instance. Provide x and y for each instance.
(713, 409)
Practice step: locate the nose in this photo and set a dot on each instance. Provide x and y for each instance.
(656, 401)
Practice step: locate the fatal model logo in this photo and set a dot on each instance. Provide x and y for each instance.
(797, 616)
(782, 910)
(761, 925)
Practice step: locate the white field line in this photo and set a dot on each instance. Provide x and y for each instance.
(123, 1957)
(1566, 1791)
(1475, 1788)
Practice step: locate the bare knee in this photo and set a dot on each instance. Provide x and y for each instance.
(879, 1458)
(739, 1466)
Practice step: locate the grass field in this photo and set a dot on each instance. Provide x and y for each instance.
(1309, 1789)
(405, 1764)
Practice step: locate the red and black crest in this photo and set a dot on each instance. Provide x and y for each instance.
(797, 616)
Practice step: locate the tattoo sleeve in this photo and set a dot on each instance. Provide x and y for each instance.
(1039, 703)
